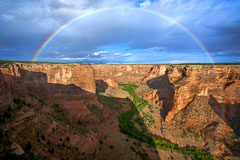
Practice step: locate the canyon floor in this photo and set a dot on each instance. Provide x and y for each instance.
(158, 112)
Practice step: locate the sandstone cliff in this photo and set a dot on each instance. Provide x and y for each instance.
(193, 100)
(51, 111)
(80, 75)
(190, 105)
(175, 86)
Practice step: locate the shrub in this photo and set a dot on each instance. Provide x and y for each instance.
(68, 139)
(127, 126)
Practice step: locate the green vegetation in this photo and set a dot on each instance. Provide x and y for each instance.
(139, 121)
(138, 102)
(127, 126)
(149, 119)
(150, 107)
(19, 102)
(68, 139)
(40, 100)
(4, 138)
(60, 116)
(96, 111)
(8, 155)
(11, 111)
(110, 102)
(58, 111)
(133, 149)
(144, 156)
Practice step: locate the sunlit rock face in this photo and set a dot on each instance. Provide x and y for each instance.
(174, 87)
(203, 100)
(192, 105)
(122, 73)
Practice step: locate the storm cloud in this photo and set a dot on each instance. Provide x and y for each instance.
(120, 35)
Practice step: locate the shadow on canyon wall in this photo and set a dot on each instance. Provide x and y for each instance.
(165, 92)
(101, 86)
(229, 113)
(37, 83)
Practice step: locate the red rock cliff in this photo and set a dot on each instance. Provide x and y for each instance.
(175, 86)
(80, 75)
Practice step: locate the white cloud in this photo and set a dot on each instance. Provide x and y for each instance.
(113, 63)
(116, 54)
(7, 17)
(99, 52)
(145, 4)
(177, 62)
(73, 59)
(127, 55)
(143, 32)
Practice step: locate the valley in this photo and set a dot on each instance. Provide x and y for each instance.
(80, 111)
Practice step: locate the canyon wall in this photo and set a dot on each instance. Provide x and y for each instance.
(121, 73)
(135, 73)
(201, 100)
(45, 79)
(174, 87)
(80, 75)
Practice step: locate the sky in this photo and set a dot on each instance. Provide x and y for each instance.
(126, 35)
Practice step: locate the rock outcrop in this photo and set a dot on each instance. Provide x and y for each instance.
(80, 75)
(175, 86)
(194, 100)
(77, 107)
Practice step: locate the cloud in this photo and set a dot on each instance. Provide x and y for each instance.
(145, 4)
(127, 55)
(228, 53)
(74, 59)
(99, 53)
(7, 17)
(116, 54)
(178, 62)
(25, 25)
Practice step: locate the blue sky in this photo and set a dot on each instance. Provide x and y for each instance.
(120, 36)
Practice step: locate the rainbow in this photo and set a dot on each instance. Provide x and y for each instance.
(91, 13)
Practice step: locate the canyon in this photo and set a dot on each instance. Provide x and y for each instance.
(73, 111)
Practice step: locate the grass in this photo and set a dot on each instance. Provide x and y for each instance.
(127, 126)
(137, 101)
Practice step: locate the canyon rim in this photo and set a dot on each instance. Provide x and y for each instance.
(80, 111)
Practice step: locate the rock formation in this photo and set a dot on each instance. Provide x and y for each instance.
(76, 107)
(177, 84)
(80, 75)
